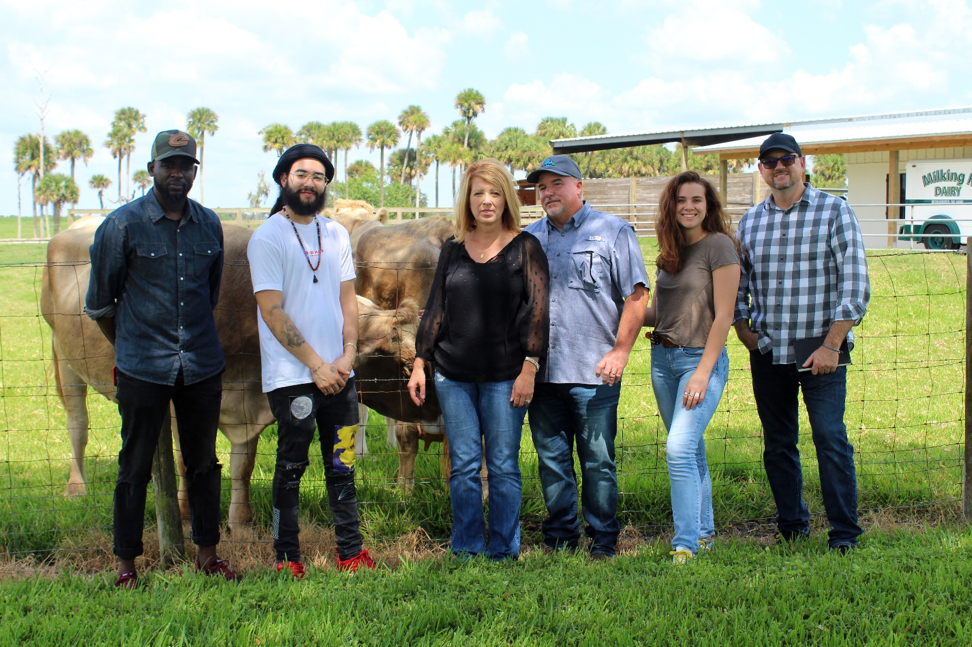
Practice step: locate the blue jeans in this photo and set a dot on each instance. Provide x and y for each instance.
(478, 416)
(775, 387)
(560, 415)
(688, 470)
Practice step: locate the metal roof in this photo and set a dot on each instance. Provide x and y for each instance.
(916, 129)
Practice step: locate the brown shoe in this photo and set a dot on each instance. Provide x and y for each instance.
(218, 568)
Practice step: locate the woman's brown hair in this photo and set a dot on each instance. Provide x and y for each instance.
(671, 238)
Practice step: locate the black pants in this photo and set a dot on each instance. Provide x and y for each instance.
(143, 406)
(299, 409)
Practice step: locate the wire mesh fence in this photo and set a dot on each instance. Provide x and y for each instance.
(905, 417)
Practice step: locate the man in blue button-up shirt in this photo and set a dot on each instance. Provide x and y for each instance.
(156, 265)
(598, 296)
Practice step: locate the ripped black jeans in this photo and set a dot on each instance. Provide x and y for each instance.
(299, 410)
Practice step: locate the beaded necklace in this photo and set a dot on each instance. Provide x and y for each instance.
(320, 247)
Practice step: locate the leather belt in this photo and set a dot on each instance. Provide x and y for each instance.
(665, 342)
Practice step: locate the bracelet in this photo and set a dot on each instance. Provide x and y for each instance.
(829, 348)
(352, 346)
(532, 361)
(319, 367)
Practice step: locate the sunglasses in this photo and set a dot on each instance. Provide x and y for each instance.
(770, 162)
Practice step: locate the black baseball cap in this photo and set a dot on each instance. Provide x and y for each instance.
(299, 152)
(170, 143)
(780, 141)
(559, 164)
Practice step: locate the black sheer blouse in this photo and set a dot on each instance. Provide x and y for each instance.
(482, 319)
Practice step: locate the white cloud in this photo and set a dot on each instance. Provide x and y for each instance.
(482, 23)
(717, 34)
(517, 47)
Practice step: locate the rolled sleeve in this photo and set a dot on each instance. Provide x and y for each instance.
(853, 283)
(628, 264)
(108, 269)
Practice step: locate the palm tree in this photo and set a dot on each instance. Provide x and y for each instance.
(556, 128)
(27, 159)
(349, 136)
(464, 141)
(100, 182)
(119, 140)
(199, 123)
(411, 120)
(56, 189)
(381, 135)
(313, 132)
(132, 121)
(592, 129)
(470, 103)
(74, 145)
(142, 181)
(277, 137)
(433, 148)
(508, 146)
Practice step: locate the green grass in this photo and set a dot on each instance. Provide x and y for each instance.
(904, 416)
(900, 588)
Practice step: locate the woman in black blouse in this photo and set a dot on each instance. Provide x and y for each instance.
(485, 330)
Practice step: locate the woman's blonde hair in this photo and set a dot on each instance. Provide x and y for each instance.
(494, 173)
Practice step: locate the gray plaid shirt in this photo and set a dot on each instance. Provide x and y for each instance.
(802, 269)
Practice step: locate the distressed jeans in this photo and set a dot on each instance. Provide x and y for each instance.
(560, 416)
(775, 388)
(480, 417)
(688, 469)
(299, 410)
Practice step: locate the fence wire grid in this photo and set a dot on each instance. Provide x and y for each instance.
(904, 416)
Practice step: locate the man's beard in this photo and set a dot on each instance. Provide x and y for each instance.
(297, 204)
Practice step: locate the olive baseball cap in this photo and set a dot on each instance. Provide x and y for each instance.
(170, 143)
(559, 164)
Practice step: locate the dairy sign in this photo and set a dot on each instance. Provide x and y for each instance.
(939, 181)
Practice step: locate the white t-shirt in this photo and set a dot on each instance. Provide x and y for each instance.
(277, 262)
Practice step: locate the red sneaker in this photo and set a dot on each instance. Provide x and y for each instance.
(296, 568)
(361, 559)
(127, 580)
(218, 568)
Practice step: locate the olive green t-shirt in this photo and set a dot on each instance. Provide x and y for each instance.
(684, 308)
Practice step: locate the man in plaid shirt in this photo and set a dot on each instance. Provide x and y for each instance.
(804, 275)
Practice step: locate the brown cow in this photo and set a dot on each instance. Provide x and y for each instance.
(83, 356)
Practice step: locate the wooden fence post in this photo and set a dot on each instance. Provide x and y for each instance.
(171, 544)
(967, 485)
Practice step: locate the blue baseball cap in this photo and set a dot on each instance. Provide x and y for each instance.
(559, 164)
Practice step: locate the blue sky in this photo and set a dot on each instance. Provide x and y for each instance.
(633, 66)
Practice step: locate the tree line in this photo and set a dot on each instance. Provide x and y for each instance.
(399, 173)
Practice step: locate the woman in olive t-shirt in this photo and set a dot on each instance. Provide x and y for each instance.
(692, 308)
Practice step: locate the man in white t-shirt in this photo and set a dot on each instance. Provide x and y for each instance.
(303, 279)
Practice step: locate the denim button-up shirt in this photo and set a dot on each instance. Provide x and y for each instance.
(160, 280)
(595, 263)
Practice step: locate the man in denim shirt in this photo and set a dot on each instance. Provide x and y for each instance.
(598, 296)
(156, 265)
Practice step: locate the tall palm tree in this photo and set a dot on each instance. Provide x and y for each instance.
(74, 145)
(132, 121)
(556, 128)
(349, 136)
(27, 159)
(464, 142)
(119, 140)
(508, 146)
(470, 103)
(277, 137)
(313, 132)
(592, 129)
(142, 181)
(411, 120)
(99, 183)
(432, 148)
(57, 189)
(199, 123)
(381, 135)
(331, 140)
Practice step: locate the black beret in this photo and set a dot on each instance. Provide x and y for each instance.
(299, 152)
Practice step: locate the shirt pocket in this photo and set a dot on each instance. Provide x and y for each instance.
(150, 257)
(587, 270)
(204, 255)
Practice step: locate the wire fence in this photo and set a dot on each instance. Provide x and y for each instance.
(905, 417)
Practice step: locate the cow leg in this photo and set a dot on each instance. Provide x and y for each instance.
(73, 392)
(242, 460)
(391, 433)
(407, 439)
(182, 494)
(360, 440)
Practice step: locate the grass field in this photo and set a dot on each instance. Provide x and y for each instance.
(904, 416)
